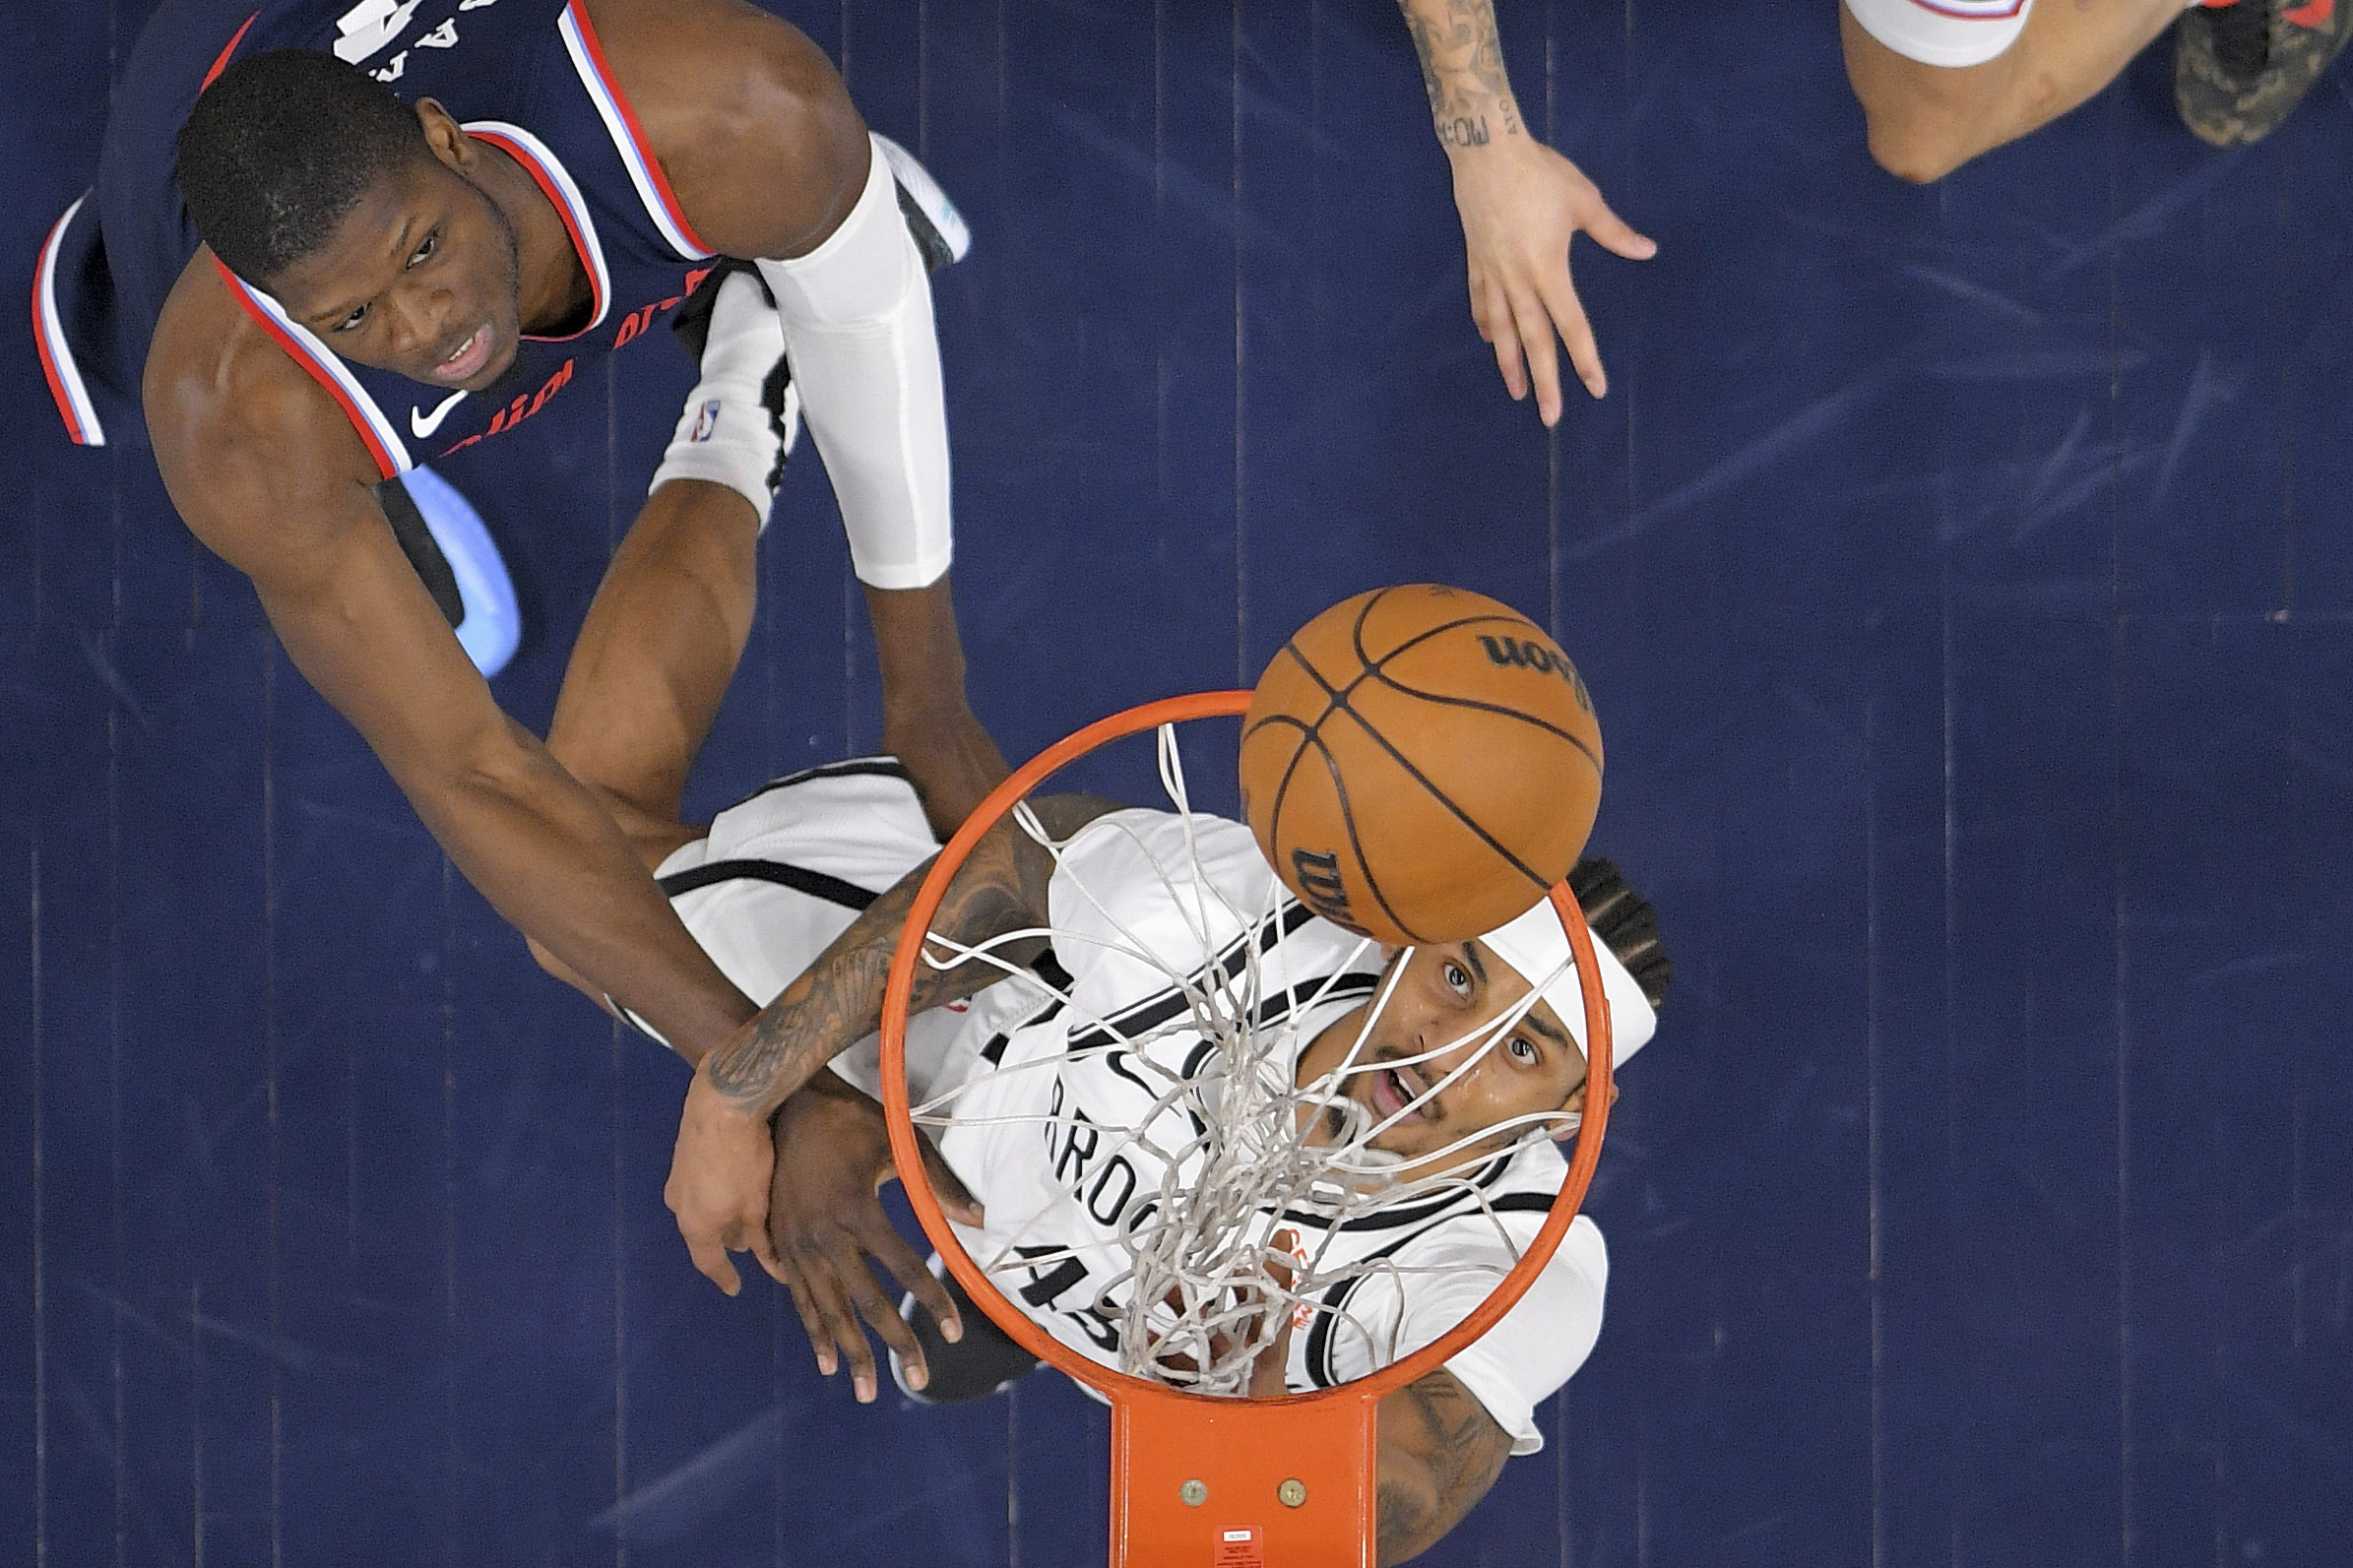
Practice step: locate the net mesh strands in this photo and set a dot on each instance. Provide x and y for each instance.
(1256, 1175)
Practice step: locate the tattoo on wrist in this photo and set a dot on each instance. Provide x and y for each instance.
(1462, 70)
(1469, 130)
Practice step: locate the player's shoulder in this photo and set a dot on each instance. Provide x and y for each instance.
(1147, 854)
(679, 56)
(1512, 1199)
(242, 434)
(1146, 896)
(214, 373)
(749, 119)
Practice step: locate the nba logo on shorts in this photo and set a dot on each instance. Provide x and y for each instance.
(706, 421)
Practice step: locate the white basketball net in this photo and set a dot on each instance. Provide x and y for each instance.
(1212, 1267)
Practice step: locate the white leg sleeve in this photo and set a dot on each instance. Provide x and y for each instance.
(858, 331)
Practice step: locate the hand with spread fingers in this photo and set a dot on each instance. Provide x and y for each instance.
(1521, 204)
(826, 1220)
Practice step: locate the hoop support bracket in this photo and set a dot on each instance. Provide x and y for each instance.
(1205, 1483)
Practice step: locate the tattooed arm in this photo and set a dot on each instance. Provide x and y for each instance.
(720, 1168)
(1462, 70)
(1439, 1453)
(1520, 203)
(838, 1001)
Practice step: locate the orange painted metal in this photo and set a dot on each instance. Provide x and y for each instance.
(1241, 1452)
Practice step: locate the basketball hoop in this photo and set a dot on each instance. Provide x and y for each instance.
(1216, 1480)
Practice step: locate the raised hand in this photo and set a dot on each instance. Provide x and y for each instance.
(1272, 1360)
(1521, 202)
(1268, 1369)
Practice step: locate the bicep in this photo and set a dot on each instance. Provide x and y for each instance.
(269, 475)
(357, 622)
(1439, 1451)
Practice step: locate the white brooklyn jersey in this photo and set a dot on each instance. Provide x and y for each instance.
(785, 870)
(1047, 1152)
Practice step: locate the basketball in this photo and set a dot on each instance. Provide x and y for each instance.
(1421, 764)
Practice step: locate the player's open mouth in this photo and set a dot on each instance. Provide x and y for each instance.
(1391, 1090)
(465, 361)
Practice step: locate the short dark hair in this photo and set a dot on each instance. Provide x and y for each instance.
(280, 147)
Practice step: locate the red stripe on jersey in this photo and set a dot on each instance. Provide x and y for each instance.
(637, 132)
(74, 426)
(563, 210)
(319, 373)
(220, 63)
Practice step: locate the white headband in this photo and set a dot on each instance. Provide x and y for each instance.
(1536, 947)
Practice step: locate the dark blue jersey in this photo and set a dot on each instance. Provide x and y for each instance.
(526, 76)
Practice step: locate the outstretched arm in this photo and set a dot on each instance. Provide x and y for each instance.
(268, 472)
(720, 1171)
(1439, 1451)
(1521, 202)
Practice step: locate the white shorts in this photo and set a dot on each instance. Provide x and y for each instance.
(784, 872)
(1943, 32)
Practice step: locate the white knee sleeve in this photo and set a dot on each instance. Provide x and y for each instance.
(857, 329)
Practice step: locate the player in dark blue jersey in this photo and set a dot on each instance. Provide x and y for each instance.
(392, 227)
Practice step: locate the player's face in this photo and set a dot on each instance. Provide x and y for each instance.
(1442, 1010)
(421, 277)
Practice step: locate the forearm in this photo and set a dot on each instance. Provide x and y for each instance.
(656, 655)
(551, 860)
(1462, 67)
(1439, 1451)
(1000, 888)
(838, 1001)
(918, 653)
(926, 721)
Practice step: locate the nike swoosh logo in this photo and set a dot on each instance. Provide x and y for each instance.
(423, 424)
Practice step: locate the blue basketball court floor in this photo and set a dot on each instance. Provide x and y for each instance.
(1964, 576)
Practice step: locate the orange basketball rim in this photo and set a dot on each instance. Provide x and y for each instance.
(1196, 1481)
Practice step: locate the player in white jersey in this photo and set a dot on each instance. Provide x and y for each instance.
(798, 893)
(1128, 879)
